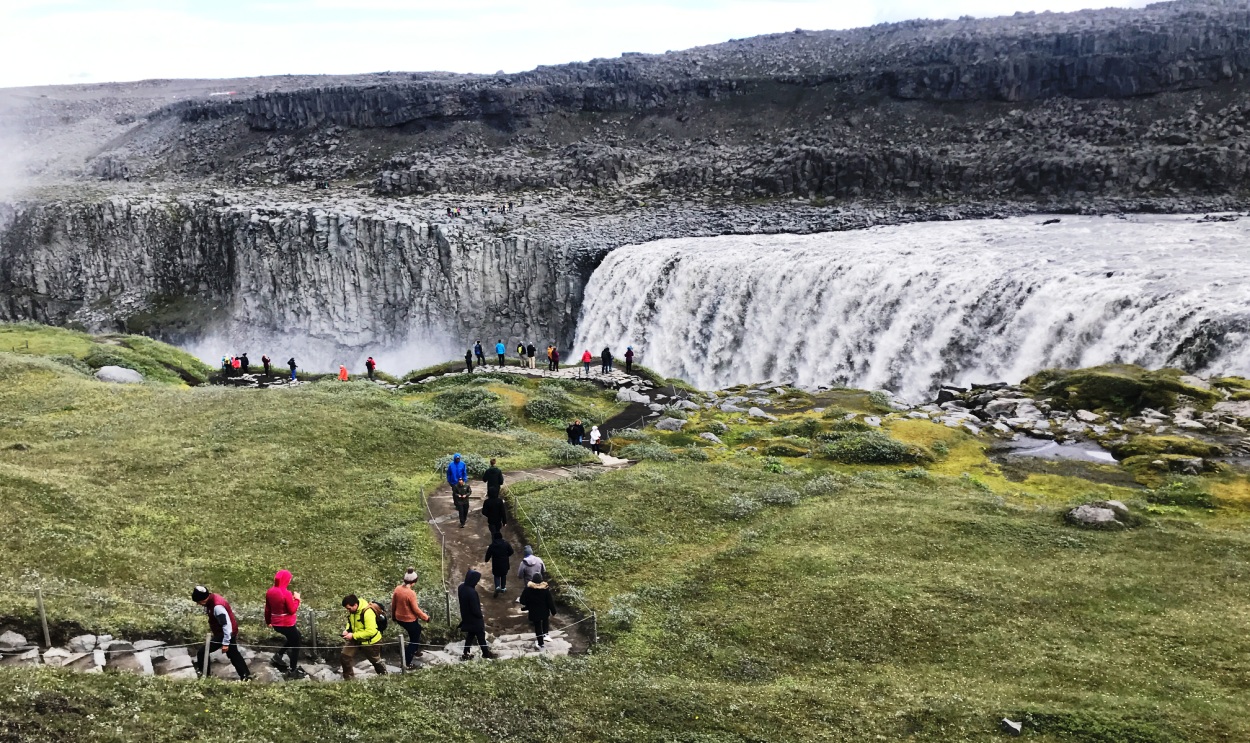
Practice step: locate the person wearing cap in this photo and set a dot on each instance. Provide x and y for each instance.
(360, 634)
(224, 629)
(282, 613)
(408, 614)
(537, 601)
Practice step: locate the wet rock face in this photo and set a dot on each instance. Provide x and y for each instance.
(356, 278)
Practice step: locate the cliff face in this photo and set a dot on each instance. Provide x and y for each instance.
(350, 279)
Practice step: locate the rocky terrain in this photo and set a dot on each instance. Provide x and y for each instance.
(281, 204)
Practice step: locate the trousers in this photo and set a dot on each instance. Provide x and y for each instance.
(236, 659)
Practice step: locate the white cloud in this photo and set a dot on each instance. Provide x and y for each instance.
(42, 43)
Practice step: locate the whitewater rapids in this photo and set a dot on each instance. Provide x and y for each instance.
(907, 308)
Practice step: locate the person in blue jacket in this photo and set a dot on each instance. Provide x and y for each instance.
(502, 350)
(456, 471)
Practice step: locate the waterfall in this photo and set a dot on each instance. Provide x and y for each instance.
(910, 307)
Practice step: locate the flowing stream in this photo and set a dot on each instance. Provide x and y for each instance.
(910, 307)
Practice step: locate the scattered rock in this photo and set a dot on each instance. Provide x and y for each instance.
(670, 424)
(757, 413)
(118, 375)
(708, 436)
(10, 641)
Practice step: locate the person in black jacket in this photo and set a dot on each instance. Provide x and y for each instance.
(606, 358)
(537, 601)
(472, 623)
(496, 513)
(494, 479)
(468, 361)
(497, 555)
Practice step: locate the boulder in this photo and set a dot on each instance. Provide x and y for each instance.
(138, 662)
(708, 436)
(670, 424)
(1086, 416)
(757, 413)
(728, 407)
(1000, 407)
(627, 395)
(26, 658)
(872, 420)
(80, 661)
(56, 656)
(1093, 515)
(11, 640)
(118, 375)
(82, 644)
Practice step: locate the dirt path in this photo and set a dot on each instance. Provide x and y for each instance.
(467, 546)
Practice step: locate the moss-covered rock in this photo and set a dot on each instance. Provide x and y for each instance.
(1156, 445)
(1151, 468)
(1237, 387)
(784, 449)
(1120, 388)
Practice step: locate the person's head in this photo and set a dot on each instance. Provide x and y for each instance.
(351, 603)
(282, 578)
(462, 481)
(538, 577)
(492, 461)
(594, 428)
(199, 595)
(455, 458)
(529, 551)
(410, 576)
(577, 422)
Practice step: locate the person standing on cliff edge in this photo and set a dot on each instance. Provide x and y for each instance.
(468, 361)
(479, 354)
(267, 362)
(530, 353)
(370, 365)
(629, 359)
(291, 363)
(502, 352)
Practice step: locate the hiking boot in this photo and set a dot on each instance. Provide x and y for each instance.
(280, 664)
(466, 657)
(488, 655)
(246, 678)
(296, 674)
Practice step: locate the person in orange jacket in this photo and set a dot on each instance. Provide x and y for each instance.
(342, 373)
(409, 615)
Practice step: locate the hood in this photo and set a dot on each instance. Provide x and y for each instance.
(282, 578)
(455, 457)
(531, 560)
(499, 540)
(471, 578)
(540, 586)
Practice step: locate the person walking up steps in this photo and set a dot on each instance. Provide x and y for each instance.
(361, 635)
(370, 365)
(530, 352)
(537, 601)
(224, 629)
(472, 623)
(531, 565)
(460, 495)
(629, 359)
(468, 361)
(606, 359)
(479, 354)
(291, 363)
(282, 613)
(496, 513)
(409, 615)
(575, 431)
(502, 352)
(497, 555)
(586, 359)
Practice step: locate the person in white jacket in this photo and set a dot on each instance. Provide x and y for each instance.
(594, 439)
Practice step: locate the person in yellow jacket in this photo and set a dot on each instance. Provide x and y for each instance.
(360, 635)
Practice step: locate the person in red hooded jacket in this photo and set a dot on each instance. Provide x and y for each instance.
(282, 613)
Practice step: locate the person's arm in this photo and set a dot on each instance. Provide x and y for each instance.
(268, 614)
(416, 607)
(227, 629)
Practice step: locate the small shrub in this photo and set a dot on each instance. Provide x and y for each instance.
(629, 434)
(485, 418)
(545, 410)
(648, 450)
(825, 485)
(460, 400)
(752, 435)
(836, 412)
(915, 473)
(566, 453)
(774, 465)
(872, 448)
(739, 507)
(879, 400)
(694, 453)
(718, 428)
(940, 449)
(475, 464)
(622, 614)
(674, 412)
(778, 495)
(1181, 491)
(851, 426)
(781, 449)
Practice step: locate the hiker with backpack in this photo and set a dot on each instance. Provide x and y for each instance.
(366, 620)
(472, 623)
(520, 354)
(408, 614)
(291, 363)
(538, 603)
(497, 555)
(282, 614)
(224, 629)
(370, 365)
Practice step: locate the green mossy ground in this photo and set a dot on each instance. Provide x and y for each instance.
(741, 596)
(1118, 388)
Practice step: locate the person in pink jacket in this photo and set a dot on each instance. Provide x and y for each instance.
(282, 613)
(586, 359)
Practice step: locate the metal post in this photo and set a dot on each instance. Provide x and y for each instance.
(447, 602)
(207, 644)
(312, 624)
(594, 627)
(43, 618)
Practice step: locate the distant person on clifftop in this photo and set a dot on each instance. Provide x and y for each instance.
(555, 359)
(268, 364)
(244, 363)
(370, 365)
(472, 623)
(456, 470)
(493, 476)
(520, 354)
(629, 359)
(461, 492)
(497, 555)
(282, 614)
(225, 365)
(291, 363)
(235, 364)
(502, 352)
(586, 359)
(479, 354)
(342, 373)
(408, 614)
(468, 361)
(530, 353)
(496, 513)
(224, 629)
(606, 358)
(539, 605)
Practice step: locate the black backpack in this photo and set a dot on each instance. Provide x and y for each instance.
(379, 611)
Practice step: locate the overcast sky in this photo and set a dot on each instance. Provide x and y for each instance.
(76, 41)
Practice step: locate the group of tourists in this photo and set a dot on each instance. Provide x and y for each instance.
(464, 211)
(527, 353)
(233, 366)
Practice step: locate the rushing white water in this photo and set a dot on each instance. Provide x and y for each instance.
(907, 308)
